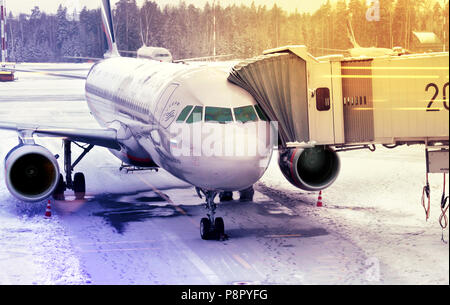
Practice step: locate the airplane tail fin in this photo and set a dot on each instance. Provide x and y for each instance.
(108, 28)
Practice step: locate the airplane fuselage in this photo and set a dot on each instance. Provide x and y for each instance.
(186, 119)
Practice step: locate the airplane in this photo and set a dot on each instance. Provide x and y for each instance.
(154, 53)
(160, 53)
(359, 51)
(139, 103)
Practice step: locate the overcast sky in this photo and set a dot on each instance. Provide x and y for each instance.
(50, 6)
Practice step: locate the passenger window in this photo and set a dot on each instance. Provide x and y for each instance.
(245, 114)
(261, 114)
(183, 115)
(218, 115)
(323, 99)
(196, 115)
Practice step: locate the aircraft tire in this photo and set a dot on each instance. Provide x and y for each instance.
(219, 227)
(226, 196)
(205, 229)
(79, 186)
(58, 194)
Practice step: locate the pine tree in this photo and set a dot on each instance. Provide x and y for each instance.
(62, 29)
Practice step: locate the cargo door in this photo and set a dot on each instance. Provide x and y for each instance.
(358, 101)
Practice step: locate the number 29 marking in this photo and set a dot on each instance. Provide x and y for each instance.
(436, 93)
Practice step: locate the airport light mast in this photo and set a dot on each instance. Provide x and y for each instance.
(214, 25)
(445, 27)
(6, 74)
(3, 31)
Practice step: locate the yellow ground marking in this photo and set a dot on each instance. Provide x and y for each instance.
(166, 198)
(241, 261)
(283, 236)
(116, 250)
(117, 242)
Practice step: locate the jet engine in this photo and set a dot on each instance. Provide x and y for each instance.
(310, 169)
(31, 172)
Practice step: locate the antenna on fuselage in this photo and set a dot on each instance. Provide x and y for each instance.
(108, 28)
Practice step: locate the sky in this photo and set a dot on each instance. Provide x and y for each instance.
(50, 6)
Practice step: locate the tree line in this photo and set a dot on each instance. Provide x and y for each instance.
(244, 30)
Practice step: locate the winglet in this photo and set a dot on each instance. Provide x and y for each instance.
(108, 28)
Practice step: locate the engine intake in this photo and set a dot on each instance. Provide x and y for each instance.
(310, 169)
(31, 172)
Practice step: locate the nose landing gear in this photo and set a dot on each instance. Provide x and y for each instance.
(211, 227)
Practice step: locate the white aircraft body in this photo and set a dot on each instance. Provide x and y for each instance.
(143, 100)
(141, 104)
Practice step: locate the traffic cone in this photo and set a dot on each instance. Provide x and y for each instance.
(48, 212)
(319, 200)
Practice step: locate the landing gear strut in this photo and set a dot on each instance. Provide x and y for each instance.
(211, 227)
(78, 183)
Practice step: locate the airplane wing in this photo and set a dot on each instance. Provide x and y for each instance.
(203, 58)
(128, 52)
(65, 75)
(98, 137)
(84, 58)
(188, 59)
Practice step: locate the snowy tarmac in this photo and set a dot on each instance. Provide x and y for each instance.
(143, 227)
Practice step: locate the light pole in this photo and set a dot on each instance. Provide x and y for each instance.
(445, 27)
(214, 29)
(3, 32)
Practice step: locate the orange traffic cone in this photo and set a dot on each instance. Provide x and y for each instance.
(48, 212)
(319, 200)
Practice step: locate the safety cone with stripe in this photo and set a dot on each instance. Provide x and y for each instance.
(48, 212)
(319, 200)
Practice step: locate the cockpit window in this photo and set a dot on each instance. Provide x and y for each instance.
(196, 115)
(261, 114)
(245, 114)
(218, 115)
(183, 115)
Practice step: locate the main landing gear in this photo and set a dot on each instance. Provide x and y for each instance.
(245, 195)
(78, 183)
(211, 227)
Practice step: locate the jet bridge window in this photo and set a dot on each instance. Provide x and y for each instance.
(196, 115)
(323, 99)
(183, 115)
(218, 115)
(245, 114)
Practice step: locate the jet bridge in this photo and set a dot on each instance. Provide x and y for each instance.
(351, 102)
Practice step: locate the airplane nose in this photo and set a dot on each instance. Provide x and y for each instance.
(236, 160)
(227, 174)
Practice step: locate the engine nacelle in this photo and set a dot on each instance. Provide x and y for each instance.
(31, 172)
(310, 169)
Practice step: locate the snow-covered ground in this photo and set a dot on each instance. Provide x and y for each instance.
(143, 228)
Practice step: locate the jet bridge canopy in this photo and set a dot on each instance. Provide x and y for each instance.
(278, 82)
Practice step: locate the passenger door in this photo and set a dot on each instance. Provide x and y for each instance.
(321, 122)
